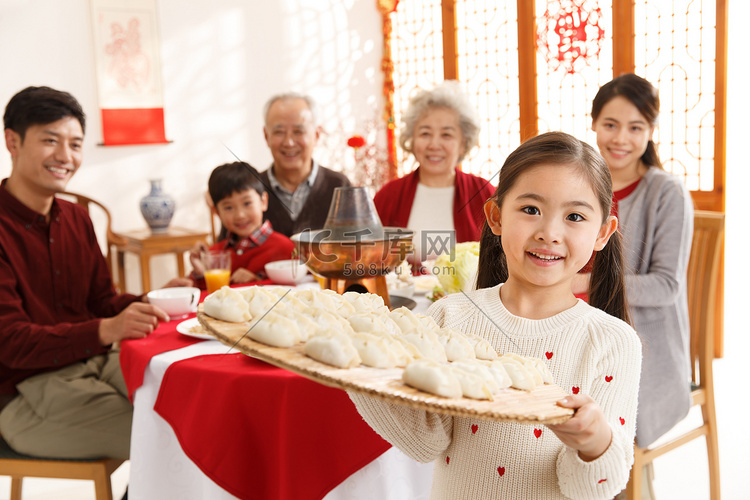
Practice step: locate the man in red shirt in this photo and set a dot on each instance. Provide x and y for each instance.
(62, 393)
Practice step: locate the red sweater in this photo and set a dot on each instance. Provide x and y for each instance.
(54, 289)
(395, 199)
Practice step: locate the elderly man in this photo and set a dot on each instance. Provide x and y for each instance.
(300, 189)
(62, 393)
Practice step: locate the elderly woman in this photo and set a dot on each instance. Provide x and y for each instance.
(440, 127)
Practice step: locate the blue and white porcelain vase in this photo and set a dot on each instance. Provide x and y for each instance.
(157, 208)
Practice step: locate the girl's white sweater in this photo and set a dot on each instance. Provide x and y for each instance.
(587, 351)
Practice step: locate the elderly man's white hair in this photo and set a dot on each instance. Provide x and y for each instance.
(292, 95)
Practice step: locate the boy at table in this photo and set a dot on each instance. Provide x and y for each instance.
(62, 393)
(240, 199)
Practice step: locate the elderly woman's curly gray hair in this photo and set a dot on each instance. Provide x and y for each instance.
(447, 95)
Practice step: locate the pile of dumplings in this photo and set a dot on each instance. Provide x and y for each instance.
(356, 329)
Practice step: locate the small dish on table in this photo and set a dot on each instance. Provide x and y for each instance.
(193, 328)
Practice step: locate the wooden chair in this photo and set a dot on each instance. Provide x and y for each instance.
(112, 239)
(703, 274)
(18, 466)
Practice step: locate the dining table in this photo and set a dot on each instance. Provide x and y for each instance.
(212, 423)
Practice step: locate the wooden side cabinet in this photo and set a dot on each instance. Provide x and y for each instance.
(145, 244)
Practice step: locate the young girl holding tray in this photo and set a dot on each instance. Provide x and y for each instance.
(549, 212)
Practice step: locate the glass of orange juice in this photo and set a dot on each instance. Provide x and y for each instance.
(217, 268)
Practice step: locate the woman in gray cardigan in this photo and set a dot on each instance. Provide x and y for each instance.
(655, 212)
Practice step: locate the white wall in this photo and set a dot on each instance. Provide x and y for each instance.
(220, 61)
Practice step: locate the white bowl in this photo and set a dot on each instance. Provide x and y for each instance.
(177, 302)
(403, 290)
(286, 272)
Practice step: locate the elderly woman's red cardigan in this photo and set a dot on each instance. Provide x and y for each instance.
(395, 199)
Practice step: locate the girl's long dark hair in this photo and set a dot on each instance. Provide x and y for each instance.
(643, 96)
(607, 291)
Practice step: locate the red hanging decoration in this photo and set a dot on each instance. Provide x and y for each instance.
(356, 141)
(569, 34)
(386, 8)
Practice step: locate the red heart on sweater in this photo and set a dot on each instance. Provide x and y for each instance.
(447, 460)
(501, 470)
(622, 421)
(608, 378)
(575, 390)
(474, 428)
(601, 481)
(548, 354)
(537, 433)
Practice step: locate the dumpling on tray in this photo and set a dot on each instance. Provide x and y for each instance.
(306, 325)
(428, 322)
(522, 378)
(477, 381)
(433, 377)
(543, 370)
(400, 352)
(341, 306)
(316, 300)
(376, 350)
(406, 320)
(427, 344)
(498, 371)
(333, 348)
(275, 330)
(227, 305)
(259, 300)
(372, 322)
(366, 302)
(328, 320)
(456, 345)
(407, 350)
(482, 348)
(535, 366)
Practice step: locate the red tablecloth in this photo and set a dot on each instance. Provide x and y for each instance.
(261, 432)
(258, 431)
(135, 355)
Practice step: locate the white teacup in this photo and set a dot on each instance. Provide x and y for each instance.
(177, 302)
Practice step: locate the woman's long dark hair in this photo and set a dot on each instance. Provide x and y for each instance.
(641, 94)
(607, 290)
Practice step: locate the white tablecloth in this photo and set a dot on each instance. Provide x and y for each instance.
(159, 469)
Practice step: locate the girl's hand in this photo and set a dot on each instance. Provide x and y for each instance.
(195, 257)
(588, 430)
(242, 275)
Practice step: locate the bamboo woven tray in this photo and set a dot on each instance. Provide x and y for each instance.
(536, 407)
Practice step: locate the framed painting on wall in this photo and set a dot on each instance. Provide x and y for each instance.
(128, 71)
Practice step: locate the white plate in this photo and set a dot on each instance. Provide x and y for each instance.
(186, 326)
(424, 284)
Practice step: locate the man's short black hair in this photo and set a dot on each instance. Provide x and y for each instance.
(233, 178)
(40, 106)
